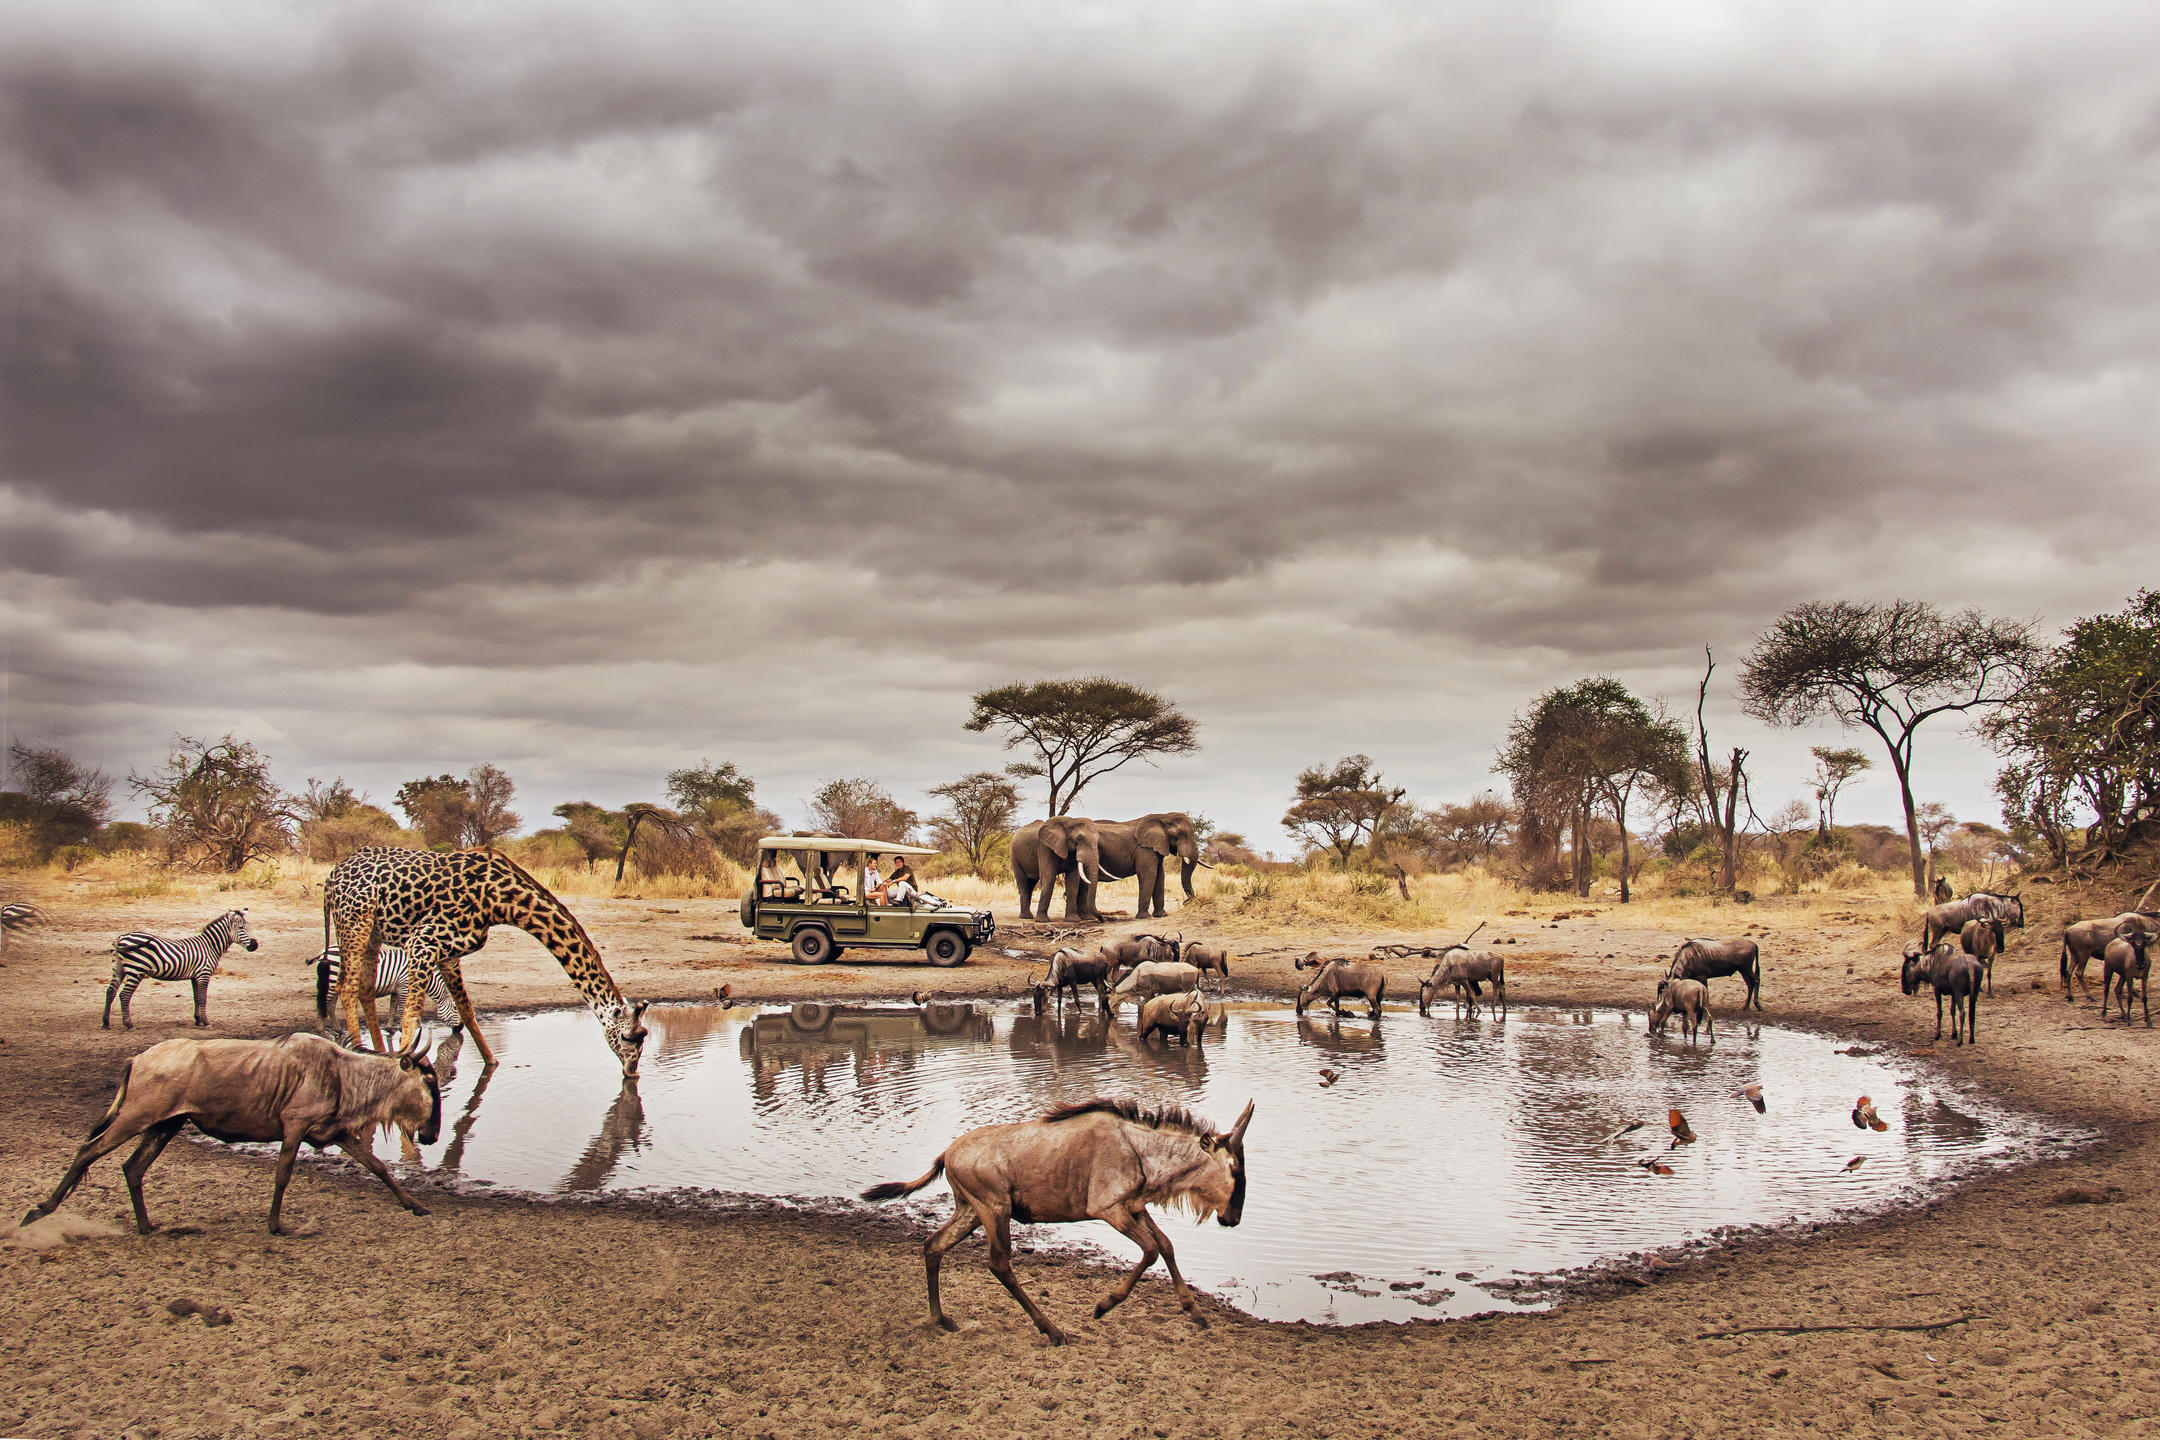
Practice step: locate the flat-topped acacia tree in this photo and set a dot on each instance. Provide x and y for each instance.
(1081, 730)
(1889, 667)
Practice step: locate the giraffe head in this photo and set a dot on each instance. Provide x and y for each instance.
(626, 1036)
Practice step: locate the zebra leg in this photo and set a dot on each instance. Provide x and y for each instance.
(453, 973)
(127, 998)
(154, 1141)
(110, 991)
(201, 984)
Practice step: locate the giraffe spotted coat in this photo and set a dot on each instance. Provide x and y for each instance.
(439, 907)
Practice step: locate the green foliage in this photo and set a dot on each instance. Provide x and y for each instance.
(2082, 735)
(710, 790)
(1337, 807)
(1081, 730)
(980, 810)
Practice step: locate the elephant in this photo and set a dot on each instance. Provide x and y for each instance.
(1118, 849)
(1041, 852)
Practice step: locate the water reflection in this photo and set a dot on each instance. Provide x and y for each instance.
(1441, 1145)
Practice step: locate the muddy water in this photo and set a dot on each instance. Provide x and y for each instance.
(1451, 1167)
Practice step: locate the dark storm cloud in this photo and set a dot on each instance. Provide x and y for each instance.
(517, 343)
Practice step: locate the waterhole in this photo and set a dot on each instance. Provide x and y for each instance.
(1451, 1167)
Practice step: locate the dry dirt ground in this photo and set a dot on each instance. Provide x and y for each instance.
(506, 1317)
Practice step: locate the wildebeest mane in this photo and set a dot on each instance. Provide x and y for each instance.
(1155, 1117)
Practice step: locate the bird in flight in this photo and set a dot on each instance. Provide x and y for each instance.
(1681, 1135)
(1856, 1162)
(1865, 1118)
(1329, 1077)
(1628, 1129)
(1753, 1093)
(1655, 1166)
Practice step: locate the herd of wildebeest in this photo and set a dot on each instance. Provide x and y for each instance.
(1104, 1160)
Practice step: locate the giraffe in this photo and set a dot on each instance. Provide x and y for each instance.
(439, 908)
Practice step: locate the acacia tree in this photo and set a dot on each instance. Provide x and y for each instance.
(1586, 746)
(1337, 808)
(1889, 667)
(217, 803)
(1081, 730)
(864, 810)
(435, 806)
(1834, 768)
(982, 808)
(601, 834)
(488, 816)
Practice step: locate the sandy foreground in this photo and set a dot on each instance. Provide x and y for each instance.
(507, 1317)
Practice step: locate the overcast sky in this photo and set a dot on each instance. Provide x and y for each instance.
(593, 388)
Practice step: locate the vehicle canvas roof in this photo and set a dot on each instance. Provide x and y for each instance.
(840, 844)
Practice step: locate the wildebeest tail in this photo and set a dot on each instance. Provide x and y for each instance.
(894, 1189)
(2066, 962)
(117, 1101)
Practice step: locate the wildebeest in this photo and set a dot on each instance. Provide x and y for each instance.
(1465, 973)
(1953, 973)
(1340, 978)
(1708, 959)
(1949, 919)
(1130, 951)
(1100, 1160)
(1157, 977)
(1069, 970)
(1184, 1017)
(2126, 958)
(1205, 958)
(2088, 938)
(1690, 1000)
(1983, 940)
(302, 1089)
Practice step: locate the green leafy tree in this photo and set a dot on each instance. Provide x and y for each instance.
(600, 834)
(435, 806)
(1584, 748)
(709, 789)
(2082, 735)
(979, 811)
(1337, 807)
(1081, 730)
(1888, 667)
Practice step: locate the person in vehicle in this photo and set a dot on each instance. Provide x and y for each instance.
(901, 889)
(873, 883)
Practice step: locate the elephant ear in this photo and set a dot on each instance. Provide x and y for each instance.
(1152, 835)
(1057, 839)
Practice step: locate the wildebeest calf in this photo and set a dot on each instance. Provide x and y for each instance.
(1465, 973)
(1708, 959)
(1953, 973)
(1983, 940)
(2126, 959)
(302, 1089)
(1690, 1000)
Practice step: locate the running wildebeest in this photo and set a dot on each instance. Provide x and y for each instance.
(1156, 977)
(1465, 972)
(1100, 1160)
(1953, 973)
(1983, 940)
(1069, 970)
(1338, 979)
(1690, 1000)
(1708, 959)
(302, 1089)
(2126, 958)
(1183, 1017)
(2088, 938)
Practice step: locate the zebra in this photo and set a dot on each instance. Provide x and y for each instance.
(390, 972)
(138, 957)
(18, 916)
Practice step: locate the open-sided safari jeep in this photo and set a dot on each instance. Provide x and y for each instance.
(821, 910)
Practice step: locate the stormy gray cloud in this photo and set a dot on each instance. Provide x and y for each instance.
(588, 389)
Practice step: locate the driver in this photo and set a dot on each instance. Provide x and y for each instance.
(901, 889)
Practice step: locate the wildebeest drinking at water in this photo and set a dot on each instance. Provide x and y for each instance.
(1709, 959)
(302, 1089)
(1101, 1160)
(1338, 979)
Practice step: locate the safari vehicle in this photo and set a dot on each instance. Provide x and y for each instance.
(821, 911)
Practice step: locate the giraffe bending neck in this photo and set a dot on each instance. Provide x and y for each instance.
(516, 898)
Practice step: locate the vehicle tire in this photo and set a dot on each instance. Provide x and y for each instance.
(812, 946)
(749, 908)
(810, 1017)
(945, 947)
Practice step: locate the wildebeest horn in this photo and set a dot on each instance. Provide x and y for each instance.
(1237, 1131)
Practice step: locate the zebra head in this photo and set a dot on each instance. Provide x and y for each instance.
(236, 929)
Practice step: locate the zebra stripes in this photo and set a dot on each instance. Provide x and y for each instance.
(138, 957)
(19, 917)
(391, 968)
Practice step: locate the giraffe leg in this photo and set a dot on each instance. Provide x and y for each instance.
(358, 943)
(453, 973)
